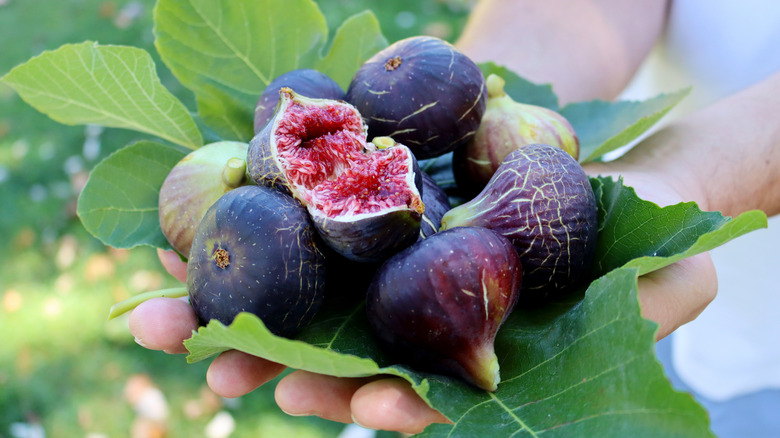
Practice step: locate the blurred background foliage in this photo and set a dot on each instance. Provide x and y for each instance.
(65, 371)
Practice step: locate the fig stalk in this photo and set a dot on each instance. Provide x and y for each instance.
(234, 173)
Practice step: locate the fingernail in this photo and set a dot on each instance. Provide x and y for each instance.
(354, 420)
(296, 415)
(140, 342)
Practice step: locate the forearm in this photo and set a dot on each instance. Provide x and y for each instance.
(725, 157)
(586, 49)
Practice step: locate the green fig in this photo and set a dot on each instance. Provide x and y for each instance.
(508, 125)
(194, 184)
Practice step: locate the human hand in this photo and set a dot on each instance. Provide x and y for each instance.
(678, 293)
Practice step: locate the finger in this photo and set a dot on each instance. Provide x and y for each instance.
(678, 293)
(173, 264)
(234, 373)
(163, 324)
(305, 393)
(392, 404)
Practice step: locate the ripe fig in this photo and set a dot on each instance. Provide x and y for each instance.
(438, 304)
(256, 251)
(366, 201)
(196, 182)
(436, 204)
(508, 125)
(541, 199)
(308, 141)
(305, 81)
(422, 92)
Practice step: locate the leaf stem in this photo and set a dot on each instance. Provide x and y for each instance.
(131, 303)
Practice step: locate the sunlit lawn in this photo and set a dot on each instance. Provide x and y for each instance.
(65, 368)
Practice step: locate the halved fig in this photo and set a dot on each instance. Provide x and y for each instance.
(366, 201)
(256, 251)
(194, 184)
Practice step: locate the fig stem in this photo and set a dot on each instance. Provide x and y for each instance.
(131, 303)
(495, 86)
(234, 172)
(383, 142)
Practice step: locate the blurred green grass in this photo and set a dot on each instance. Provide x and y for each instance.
(63, 366)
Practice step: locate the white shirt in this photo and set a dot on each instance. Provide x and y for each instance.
(720, 47)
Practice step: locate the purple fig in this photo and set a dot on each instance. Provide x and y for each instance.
(438, 304)
(422, 92)
(306, 82)
(541, 199)
(195, 183)
(366, 201)
(508, 125)
(256, 251)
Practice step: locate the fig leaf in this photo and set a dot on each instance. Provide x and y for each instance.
(541, 357)
(226, 52)
(356, 40)
(119, 203)
(551, 358)
(603, 127)
(112, 86)
(640, 234)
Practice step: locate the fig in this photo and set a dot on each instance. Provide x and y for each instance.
(256, 251)
(422, 92)
(305, 81)
(438, 304)
(194, 184)
(436, 202)
(508, 125)
(371, 210)
(365, 201)
(541, 199)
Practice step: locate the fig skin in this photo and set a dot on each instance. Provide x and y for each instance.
(438, 304)
(194, 184)
(305, 81)
(437, 203)
(256, 251)
(422, 92)
(541, 199)
(365, 199)
(508, 125)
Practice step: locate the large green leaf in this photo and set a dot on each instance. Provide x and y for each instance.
(567, 370)
(634, 232)
(227, 51)
(358, 38)
(119, 203)
(111, 86)
(603, 127)
(582, 369)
